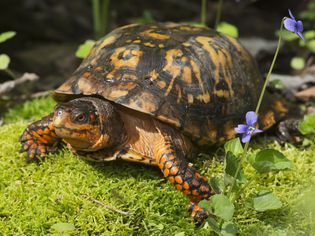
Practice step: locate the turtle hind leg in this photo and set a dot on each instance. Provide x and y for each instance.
(185, 178)
(288, 131)
(39, 138)
(278, 114)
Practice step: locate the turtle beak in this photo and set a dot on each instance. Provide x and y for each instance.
(60, 117)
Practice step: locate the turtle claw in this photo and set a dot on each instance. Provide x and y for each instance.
(39, 139)
(34, 148)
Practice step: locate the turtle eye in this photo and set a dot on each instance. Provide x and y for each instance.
(80, 118)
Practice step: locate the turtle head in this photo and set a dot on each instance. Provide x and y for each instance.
(88, 124)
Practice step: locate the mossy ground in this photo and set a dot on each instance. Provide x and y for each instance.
(34, 197)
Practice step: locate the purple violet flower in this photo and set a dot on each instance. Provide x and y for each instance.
(294, 26)
(249, 129)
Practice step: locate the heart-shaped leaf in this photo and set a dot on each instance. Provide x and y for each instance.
(265, 200)
(270, 160)
(234, 146)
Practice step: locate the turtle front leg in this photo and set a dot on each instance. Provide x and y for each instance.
(183, 176)
(39, 138)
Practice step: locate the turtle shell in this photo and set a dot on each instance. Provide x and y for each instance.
(193, 78)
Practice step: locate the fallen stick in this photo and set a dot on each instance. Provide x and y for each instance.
(8, 86)
(107, 206)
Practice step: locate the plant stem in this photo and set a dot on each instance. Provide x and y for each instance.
(218, 16)
(104, 16)
(270, 69)
(10, 73)
(203, 12)
(244, 154)
(96, 18)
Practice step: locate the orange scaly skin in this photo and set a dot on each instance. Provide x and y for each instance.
(39, 138)
(184, 177)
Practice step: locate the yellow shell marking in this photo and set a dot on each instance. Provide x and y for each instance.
(235, 43)
(220, 58)
(171, 67)
(131, 63)
(190, 98)
(121, 90)
(187, 75)
(148, 44)
(185, 28)
(107, 41)
(204, 97)
(127, 26)
(151, 34)
(222, 93)
(153, 75)
(161, 84)
(179, 93)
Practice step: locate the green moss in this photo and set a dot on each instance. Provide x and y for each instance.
(30, 110)
(34, 197)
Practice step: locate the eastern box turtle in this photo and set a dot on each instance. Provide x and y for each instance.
(154, 94)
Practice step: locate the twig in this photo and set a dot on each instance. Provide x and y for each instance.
(35, 95)
(107, 206)
(8, 86)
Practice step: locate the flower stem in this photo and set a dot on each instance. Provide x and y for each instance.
(270, 69)
(203, 12)
(218, 16)
(244, 154)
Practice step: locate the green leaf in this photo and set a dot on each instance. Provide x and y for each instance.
(265, 200)
(214, 225)
(232, 163)
(63, 227)
(297, 63)
(6, 35)
(307, 125)
(228, 229)
(84, 49)
(4, 61)
(311, 45)
(227, 28)
(222, 207)
(234, 146)
(205, 204)
(270, 160)
(217, 184)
